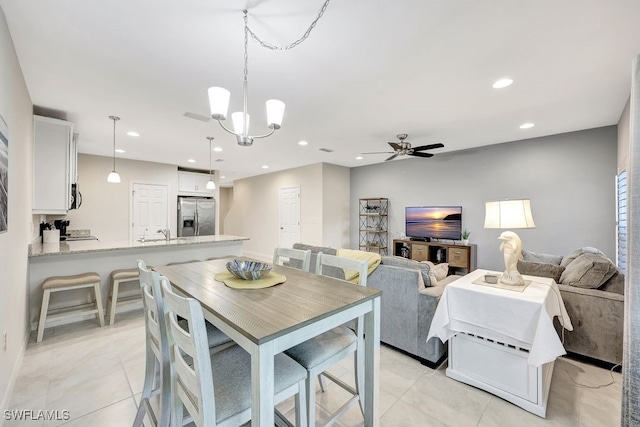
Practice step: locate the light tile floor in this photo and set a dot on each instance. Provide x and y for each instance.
(96, 374)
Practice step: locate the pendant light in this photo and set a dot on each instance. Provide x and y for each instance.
(210, 185)
(114, 177)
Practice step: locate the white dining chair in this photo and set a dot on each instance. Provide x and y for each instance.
(157, 349)
(216, 389)
(303, 257)
(320, 353)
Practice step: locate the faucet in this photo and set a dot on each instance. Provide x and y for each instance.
(144, 234)
(166, 232)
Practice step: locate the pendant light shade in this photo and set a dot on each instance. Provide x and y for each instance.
(210, 184)
(114, 176)
(219, 102)
(275, 112)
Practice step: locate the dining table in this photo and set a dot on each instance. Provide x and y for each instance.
(270, 320)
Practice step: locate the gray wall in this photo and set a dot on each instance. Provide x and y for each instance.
(568, 177)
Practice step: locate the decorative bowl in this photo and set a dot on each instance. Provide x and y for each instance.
(248, 270)
(491, 278)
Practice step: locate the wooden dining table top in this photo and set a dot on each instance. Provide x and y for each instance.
(265, 314)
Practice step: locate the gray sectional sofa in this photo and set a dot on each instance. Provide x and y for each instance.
(592, 288)
(407, 306)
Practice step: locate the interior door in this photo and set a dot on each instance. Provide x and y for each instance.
(150, 210)
(289, 216)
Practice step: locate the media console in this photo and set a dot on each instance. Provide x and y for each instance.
(461, 258)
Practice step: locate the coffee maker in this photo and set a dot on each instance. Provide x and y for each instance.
(62, 226)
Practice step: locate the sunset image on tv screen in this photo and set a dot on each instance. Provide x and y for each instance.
(441, 222)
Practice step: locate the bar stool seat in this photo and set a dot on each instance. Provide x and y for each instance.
(67, 283)
(120, 276)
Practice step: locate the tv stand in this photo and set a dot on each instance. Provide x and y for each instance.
(461, 258)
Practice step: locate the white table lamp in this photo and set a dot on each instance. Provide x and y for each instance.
(509, 214)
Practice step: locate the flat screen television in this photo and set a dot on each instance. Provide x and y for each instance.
(434, 222)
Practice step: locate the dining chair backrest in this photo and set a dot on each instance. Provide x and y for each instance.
(157, 350)
(303, 257)
(347, 264)
(154, 311)
(189, 349)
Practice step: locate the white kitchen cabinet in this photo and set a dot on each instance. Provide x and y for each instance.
(54, 165)
(192, 184)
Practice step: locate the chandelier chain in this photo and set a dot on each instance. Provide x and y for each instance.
(268, 45)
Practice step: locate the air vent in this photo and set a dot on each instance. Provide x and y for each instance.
(326, 150)
(197, 116)
(219, 160)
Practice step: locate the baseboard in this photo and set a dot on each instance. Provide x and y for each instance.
(593, 361)
(6, 400)
(423, 361)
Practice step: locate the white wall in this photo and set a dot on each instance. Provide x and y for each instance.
(16, 109)
(568, 177)
(624, 137)
(255, 209)
(335, 207)
(106, 207)
(226, 200)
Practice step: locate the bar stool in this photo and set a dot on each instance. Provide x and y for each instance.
(117, 277)
(68, 283)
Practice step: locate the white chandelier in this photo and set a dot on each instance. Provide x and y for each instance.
(219, 97)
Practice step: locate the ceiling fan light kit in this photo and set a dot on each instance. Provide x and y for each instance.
(403, 148)
(219, 97)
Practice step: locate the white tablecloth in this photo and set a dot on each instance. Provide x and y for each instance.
(523, 319)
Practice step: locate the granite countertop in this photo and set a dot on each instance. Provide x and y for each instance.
(86, 246)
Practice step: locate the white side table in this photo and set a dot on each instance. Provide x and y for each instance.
(502, 341)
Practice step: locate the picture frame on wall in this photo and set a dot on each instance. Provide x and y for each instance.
(4, 176)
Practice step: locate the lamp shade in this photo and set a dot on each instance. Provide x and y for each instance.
(219, 102)
(275, 112)
(114, 177)
(211, 185)
(508, 214)
(238, 122)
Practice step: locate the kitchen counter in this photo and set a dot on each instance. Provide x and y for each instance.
(87, 246)
(75, 257)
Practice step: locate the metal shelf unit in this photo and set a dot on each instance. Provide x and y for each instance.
(374, 224)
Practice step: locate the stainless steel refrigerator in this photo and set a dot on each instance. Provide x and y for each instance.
(196, 216)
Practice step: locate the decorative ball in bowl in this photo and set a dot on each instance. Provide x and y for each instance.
(248, 270)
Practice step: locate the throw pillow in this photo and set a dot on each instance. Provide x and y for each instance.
(437, 272)
(575, 254)
(541, 270)
(541, 258)
(398, 261)
(588, 270)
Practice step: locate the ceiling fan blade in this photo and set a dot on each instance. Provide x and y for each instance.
(421, 154)
(395, 146)
(392, 157)
(428, 147)
(379, 152)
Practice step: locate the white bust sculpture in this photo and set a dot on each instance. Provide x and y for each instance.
(511, 247)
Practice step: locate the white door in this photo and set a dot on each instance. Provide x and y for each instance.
(289, 216)
(150, 210)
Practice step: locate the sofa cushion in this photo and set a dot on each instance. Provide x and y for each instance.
(398, 261)
(541, 258)
(575, 254)
(541, 269)
(588, 270)
(615, 284)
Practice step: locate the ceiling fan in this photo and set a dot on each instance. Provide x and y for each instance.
(404, 147)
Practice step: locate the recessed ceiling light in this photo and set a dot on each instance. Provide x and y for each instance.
(191, 161)
(303, 143)
(223, 177)
(133, 133)
(265, 167)
(218, 149)
(359, 158)
(120, 150)
(502, 83)
(526, 126)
